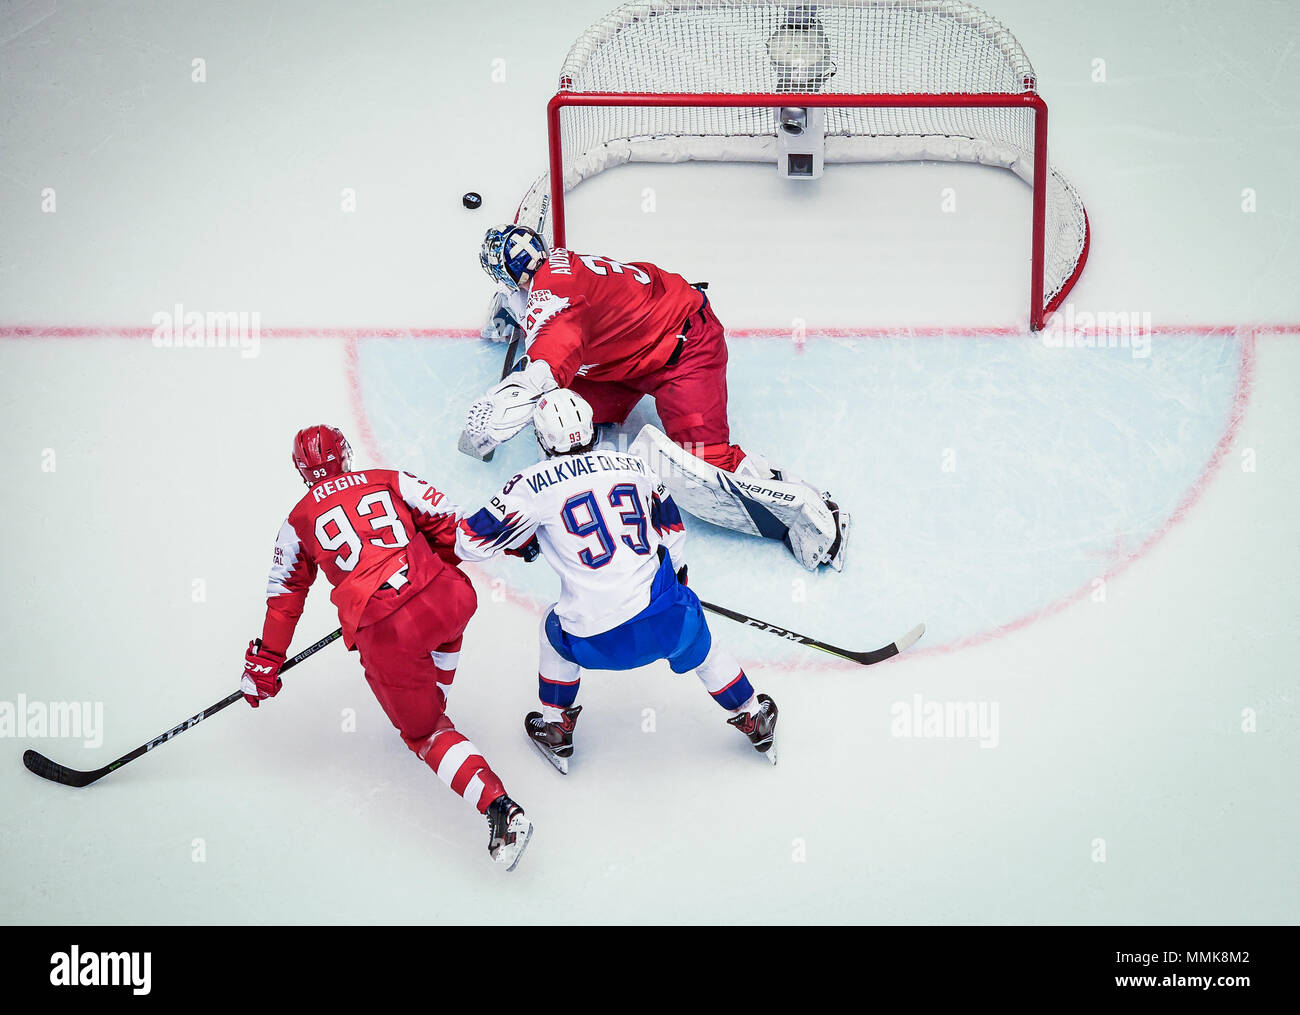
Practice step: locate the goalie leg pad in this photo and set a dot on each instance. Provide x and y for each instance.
(746, 500)
(824, 529)
(704, 490)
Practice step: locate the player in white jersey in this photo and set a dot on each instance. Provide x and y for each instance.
(611, 531)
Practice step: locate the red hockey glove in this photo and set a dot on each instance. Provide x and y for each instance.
(261, 677)
(529, 551)
(681, 575)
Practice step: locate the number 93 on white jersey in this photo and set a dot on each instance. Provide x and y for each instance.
(600, 519)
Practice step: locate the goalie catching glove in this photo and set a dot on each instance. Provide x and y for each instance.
(506, 409)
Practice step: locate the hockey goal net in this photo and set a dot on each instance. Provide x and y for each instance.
(803, 86)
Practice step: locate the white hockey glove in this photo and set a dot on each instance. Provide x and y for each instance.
(503, 318)
(505, 410)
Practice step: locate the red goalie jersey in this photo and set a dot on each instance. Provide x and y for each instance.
(594, 317)
(362, 529)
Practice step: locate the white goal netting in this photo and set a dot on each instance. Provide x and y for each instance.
(903, 48)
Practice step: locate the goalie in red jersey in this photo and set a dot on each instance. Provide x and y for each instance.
(615, 333)
(386, 542)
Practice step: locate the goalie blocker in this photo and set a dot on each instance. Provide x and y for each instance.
(505, 410)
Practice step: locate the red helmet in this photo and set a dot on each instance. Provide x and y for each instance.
(320, 452)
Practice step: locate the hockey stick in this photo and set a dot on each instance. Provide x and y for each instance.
(509, 364)
(511, 349)
(40, 765)
(865, 658)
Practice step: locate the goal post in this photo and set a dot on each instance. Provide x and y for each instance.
(805, 86)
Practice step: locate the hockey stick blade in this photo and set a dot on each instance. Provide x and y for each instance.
(39, 764)
(863, 658)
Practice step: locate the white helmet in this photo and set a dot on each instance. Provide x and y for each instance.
(563, 421)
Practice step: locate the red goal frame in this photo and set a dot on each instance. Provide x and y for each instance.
(1029, 100)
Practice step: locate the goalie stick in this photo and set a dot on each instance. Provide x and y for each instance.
(40, 765)
(865, 658)
(511, 349)
(509, 365)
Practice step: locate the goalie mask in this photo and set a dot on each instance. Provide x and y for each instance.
(320, 452)
(512, 255)
(564, 423)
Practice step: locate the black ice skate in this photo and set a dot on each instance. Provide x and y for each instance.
(508, 831)
(554, 740)
(760, 727)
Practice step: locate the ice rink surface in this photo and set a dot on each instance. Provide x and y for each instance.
(1102, 542)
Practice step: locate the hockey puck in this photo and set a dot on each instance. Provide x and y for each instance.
(472, 200)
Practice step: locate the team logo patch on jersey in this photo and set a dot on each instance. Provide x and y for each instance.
(542, 306)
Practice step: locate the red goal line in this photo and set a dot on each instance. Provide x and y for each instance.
(108, 331)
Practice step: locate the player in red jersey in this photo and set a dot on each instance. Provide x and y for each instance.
(386, 542)
(614, 333)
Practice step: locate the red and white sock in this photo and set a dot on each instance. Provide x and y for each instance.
(445, 660)
(457, 762)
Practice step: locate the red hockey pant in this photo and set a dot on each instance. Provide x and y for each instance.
(410, 657)
(690, 396)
